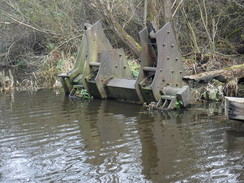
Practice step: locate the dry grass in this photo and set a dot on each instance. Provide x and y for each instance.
(42, 37)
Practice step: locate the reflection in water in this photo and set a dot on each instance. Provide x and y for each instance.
(49, 138)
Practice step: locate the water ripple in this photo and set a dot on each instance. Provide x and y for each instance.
(49, 138)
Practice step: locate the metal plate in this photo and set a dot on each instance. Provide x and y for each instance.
(122, 83)
(68, 79)
(148, 57)
(170, 69)
(113, 65)
(122, 89)
(96, 43)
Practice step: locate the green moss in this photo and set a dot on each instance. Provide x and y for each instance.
(235, 67)
(135, 68)
(138, 46)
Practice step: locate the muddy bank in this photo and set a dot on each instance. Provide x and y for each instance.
(23, 80)
(208, 88)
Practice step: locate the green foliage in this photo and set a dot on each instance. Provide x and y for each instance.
(83, 94)
(60, 64)
(135, 68)
(51, 46)
(38, 28)
(21, 63)
(178, 104)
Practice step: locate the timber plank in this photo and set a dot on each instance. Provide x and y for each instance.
(234, 108)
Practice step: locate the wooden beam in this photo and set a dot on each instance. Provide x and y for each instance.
(222, 75)
(234, 108)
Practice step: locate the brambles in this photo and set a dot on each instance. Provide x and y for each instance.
(43, 36)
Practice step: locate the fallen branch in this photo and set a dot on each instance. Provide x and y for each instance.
(223, 75)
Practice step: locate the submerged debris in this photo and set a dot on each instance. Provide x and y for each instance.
(6, 81)
(231, 88)
(81, 94)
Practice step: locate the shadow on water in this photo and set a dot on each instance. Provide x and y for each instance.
(50, 138)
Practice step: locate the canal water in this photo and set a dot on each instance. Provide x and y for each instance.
(46, 137)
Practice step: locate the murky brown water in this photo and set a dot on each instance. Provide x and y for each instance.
(48, 138)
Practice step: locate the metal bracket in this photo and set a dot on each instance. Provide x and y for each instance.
(104, 72)
(167, 70)
(147, 69)
(113, 65)
(171, 95)
(69, 79)
(96, 43)
(170, 69)
(74, 90)
(166, 102)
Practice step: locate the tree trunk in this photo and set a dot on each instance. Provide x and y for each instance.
(168, 17)
(154, 12)
(108, 17)
(167, 11)
(145, 13)
(224, 75)
(124, 36)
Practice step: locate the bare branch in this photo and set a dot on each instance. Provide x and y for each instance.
(176, 9)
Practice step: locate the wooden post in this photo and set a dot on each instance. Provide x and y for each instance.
(234, 108)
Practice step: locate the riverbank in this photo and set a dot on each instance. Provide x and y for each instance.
(45, 75)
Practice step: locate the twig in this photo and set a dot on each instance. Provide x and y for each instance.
(27, 25)
(205, 23)
(238, 3)
(65, 43)
(176, 9)
(173, 4)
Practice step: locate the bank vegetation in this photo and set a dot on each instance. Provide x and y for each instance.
(40, 38)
